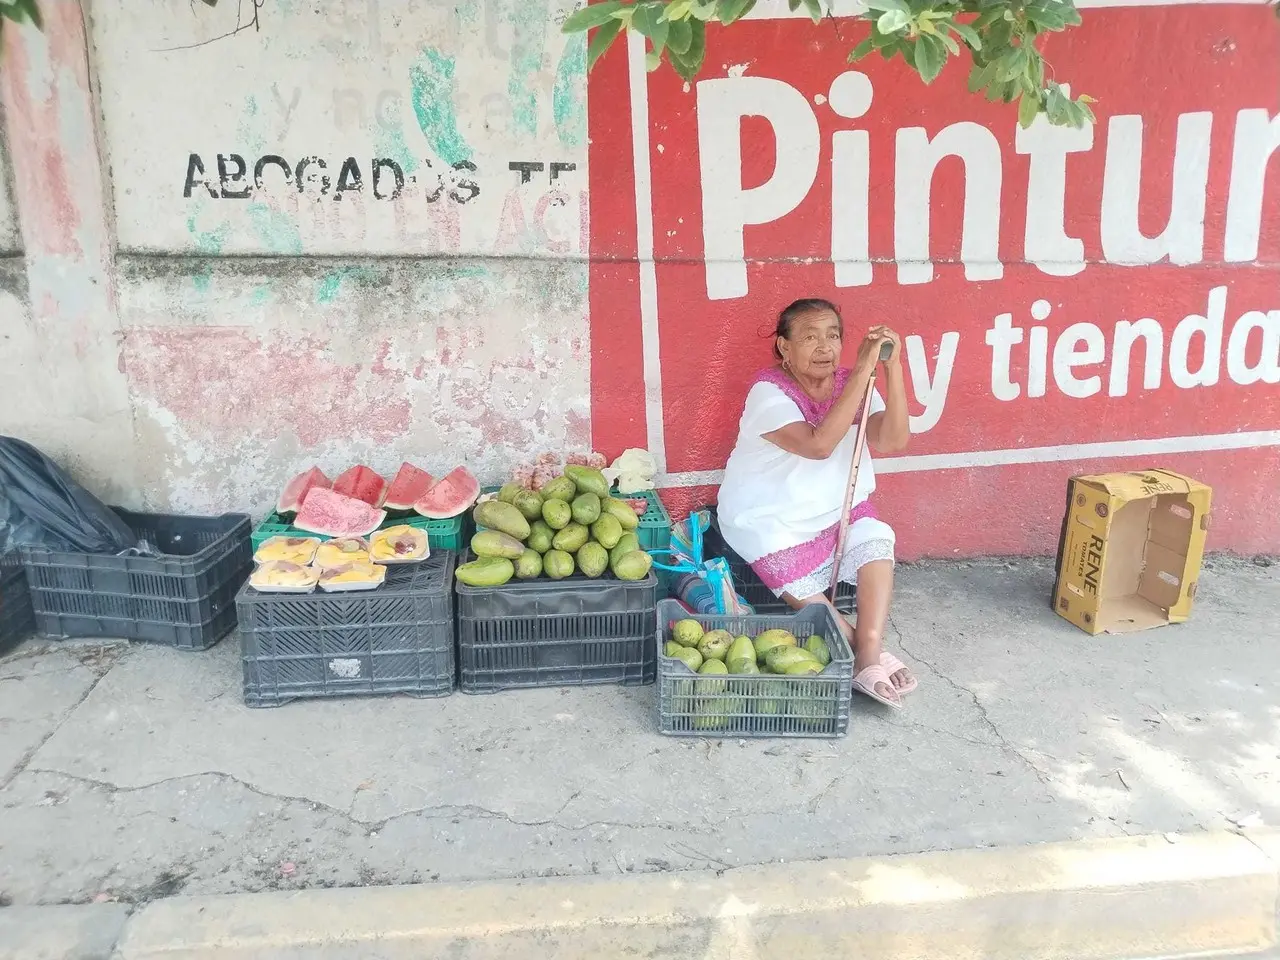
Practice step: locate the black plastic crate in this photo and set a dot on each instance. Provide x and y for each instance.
(17, 619)
(692, 705)
(556, 633)
(752, 589)
(395, 639)
(184, 599)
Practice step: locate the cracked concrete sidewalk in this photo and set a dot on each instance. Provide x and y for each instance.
(132, 773)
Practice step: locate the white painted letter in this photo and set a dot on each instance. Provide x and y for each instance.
(726, 206)
(1182, 239)
(850, 97)
(1066, 357)
(1001, 338)
(917, 158)
(1046, 242)
(1126, 335)
(1210, 326)
(1268, 367)
(931, 395)
(1257, 139)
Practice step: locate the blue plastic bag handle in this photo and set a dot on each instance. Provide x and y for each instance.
(695, 545)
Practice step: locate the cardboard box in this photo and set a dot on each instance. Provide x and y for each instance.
(1130, 551)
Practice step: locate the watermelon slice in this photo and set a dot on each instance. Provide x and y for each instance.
(333, 515)
(362, 484)
(296, 490)
(409, 486)
(450, 496)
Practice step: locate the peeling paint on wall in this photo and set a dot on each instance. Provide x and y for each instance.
(528, 19)
(568, 98)
(431, 79)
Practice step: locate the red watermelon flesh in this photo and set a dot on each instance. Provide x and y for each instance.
(333, 515)
(296, 490)
(363, 484)
(408, 487)
(450, 496)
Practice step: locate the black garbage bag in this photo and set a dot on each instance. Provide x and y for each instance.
(40, 505)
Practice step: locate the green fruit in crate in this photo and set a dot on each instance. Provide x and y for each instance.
(504, 517)
(587, 480)
(803, 668)
(540, 536)
(770, 698)
(561, 488)
(529, 503)
(682, 697)
(780, 658)
(690, 657)
(571, 538)
(593, 559)
(770, 639)
(716, 714)
(607, 531)
(622, 512)
(491, 543)
(714, 671)
(818, 647)
(486, 572)
(671, 649)
(529, 564)
(557, 564)
(741, 652)
(629, 543)
(586, 508)
(556, 513)
(715, 644)
(634, 566)
(508, 492)
(687, 633)
(817, 712)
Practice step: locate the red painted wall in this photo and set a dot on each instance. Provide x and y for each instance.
(988, 476)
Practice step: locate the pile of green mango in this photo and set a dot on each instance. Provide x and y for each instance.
(570, 526)
(733, 674)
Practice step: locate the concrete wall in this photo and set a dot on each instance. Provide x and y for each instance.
(361, 232)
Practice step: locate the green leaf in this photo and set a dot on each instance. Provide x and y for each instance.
(688, 64)
(931, 56)
(987, 17)
(703, 10)
(950, 43)
(815, 10)
(980, 75)
(730, 11)
(33, 14)
(883, 5)
(679, 36)
(605, 34)
(653, 60)
(1013, 64)
(1028, 109)
(647, 20)
(591, 16)
(967, 34)
(676, 10)
(861, 50)
(1085, 98)
(793, 5)
(891, 21)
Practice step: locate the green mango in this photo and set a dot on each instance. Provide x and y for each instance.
(715, 684)
(529, 564)
(561, 488)
(634, 566)
(629, 543)
(529, 503)
(769, 698)
(671, 649)
(593, 559)
(816, 712)
(556, 513)
(741, 651)
(491, 543)
(504, 517)
(818, 647)
(716, 714)
(779, 658)
(586, 509)
(540, 536)
(622, 512)
(687, 633)
(715, 644)
(802, 668)
(690, 657)
(682, 702)
(587, 480)
(557, 564)
(607, 531)
(508, 492)
(571, 538)
(770, 639)
(486, 572)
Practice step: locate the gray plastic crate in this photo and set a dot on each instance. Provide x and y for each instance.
(17, 619)
(556, 633)
(395, 639)
(690, 705)
(183, 599)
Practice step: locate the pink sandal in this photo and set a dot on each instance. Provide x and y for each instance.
(866, 681)
(891, 666)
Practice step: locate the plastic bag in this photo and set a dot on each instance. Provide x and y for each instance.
(707, 585)
(41, 506)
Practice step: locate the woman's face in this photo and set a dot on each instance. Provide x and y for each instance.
(812, 348)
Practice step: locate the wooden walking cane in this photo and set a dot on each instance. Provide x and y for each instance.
(886, 351)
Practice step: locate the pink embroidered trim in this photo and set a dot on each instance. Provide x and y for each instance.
(785, 566)
(812, 410)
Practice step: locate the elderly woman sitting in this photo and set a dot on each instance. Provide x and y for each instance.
(785, 483)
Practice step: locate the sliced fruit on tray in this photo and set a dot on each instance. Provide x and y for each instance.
(281, 576)
(296, 490)
(400, 544)
(408, 487)
(333, 515)
(341, 551)
(361, 575)
(452, 495)
(362, 483)
(299, 550)
(640, 505)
